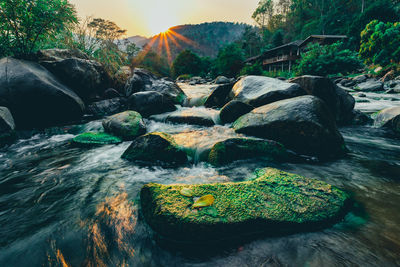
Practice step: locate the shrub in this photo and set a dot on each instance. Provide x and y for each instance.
(329, 59)
(187, 62)
(230, 60)
(255, 69)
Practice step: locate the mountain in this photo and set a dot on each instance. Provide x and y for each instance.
(204, 39)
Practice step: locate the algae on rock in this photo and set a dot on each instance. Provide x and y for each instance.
(91, 138)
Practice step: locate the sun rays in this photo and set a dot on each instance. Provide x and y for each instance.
(162, 43)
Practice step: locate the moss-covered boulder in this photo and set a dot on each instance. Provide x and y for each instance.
(275, 202)
(303, 124)
(244, 148)
(155, 148)
(128, 125)
(389, 118)
(91, 139)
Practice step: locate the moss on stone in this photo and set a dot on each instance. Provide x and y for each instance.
(91, 138)
(127, 125)
(243, 148)
(274, 202)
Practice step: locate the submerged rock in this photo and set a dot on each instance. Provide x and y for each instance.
(7, 127)
(155, 148)
(90, 138)
(127, 125)
(303, 124)
(219, 96)
(233, 110)
(150, 103)
(275, 202)
(258, 90)
(34, 96)
(194, 116)
(389, 118)
(370, 86)
(244, 148)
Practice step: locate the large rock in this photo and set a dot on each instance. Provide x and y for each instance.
(95, 139)
(194, 116)
(370, 86)
(7, 127)
(219, 96)
(303, 124)
(258, 90)
(34, 96)
(222, 80)
(245, 148)
(339, 101)
(106, 107)
(87, 78)
(150, 103)
(275, 202)
(155, 148)
(127, 125)
(60, 54)
(233, 110)
(142, 80)
(389, 118)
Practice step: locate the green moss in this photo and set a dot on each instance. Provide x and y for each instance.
(274, 201)
(127, 125)
(91, 138)
(180, 98)
(244, 148)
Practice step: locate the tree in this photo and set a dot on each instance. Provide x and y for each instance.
(26, 23)
(187, 62)
(251, 42)
(380, 43)
(263, 14)
(230, 60)
(277, 38)
(153, 62)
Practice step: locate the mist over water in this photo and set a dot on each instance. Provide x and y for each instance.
(67, 206)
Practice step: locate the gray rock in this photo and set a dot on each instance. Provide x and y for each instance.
(34, 96)
(7, 127)
(370, 86)
(150, 103)
(303, 124)
(233, 110)
(143, 81)
(360, 78)
(360, 118)
(389, 118)
(219, 97)
(222, 80)
(258, 90)
(194, 116)
(106, 107)
(60, 54)
(127, 125)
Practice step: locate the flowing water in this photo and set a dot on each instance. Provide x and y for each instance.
(67, 206)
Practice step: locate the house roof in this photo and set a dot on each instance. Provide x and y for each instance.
(322, 37)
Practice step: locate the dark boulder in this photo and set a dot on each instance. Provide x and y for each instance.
(7, 127)
(359, 118)
(233, 110)
(219, 96)
(106, 107)
(155, 148)
(34, 96)
(87, 78)
(222, 80)
(370, 86)
(303, 124)
(150, 103)
(258, 90)
(127, 125)
(194, 116)
(389, 118)
(111, 93)
(143, 80)
(59, 54)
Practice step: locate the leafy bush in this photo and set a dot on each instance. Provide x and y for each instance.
(275, 74)
(187, 62)
(230, 60)
(25, 24)
(380, 43)
(255, 69)
(328, 59)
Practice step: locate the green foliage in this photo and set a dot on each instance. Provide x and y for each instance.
(150, 60)
(255, 69)
(230, 60)
(275, 74)
(277, 38)
(329, 59)
(380, 43)
(187, 62)
(251, 42)
(24, 24)
(264, 12)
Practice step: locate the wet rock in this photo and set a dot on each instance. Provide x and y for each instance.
(143, 81)
(303, 124)
(34, 96)
(127, 125)
(219, 97)
(233, 110)
(360, 118)
(222, 80)
(360, 78)
(106, 107)
(194, 116)
(347, 83)
(155, 148)
(274, 202)
(87, 78)
(258, 90)
(344, 105)
(93, 139)
(7, 127)
(370, 86)
(121, 78)
(111, 93)
(60, 54)
(245, 148)
(150, 103)
(389, 118)
(361, 95)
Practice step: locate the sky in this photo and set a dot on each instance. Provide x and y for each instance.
(150, 17)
